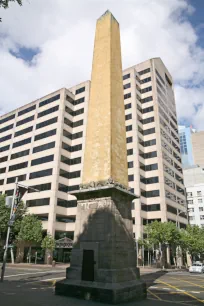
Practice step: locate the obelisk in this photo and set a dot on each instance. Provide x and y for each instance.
(103, 260)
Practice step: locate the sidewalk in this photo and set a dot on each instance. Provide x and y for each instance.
(32, 265)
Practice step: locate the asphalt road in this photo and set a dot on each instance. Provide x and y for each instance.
(35, 286)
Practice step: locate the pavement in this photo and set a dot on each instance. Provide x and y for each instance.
(33, 285)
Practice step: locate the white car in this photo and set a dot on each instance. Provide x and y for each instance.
(197, 268)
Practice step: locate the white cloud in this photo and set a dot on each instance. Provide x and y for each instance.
(63, 30)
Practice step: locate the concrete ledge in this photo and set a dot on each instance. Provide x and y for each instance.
(112, 293)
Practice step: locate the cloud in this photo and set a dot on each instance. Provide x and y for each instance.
(62, 32)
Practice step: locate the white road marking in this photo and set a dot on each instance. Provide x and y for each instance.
(21, 274)
(166, 288)
(194, 292)
(49, 279)
(152, 287)
(180, 290)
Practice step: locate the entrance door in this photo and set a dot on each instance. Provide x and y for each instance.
(88, 265)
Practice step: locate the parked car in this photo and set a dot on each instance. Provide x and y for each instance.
(197, 267)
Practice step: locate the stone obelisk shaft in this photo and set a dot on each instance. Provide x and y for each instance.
(105, 150)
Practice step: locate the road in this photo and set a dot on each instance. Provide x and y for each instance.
(34, 286)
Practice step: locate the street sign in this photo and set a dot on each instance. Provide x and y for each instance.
(9, 202)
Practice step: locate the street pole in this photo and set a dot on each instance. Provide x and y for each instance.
(8, 233)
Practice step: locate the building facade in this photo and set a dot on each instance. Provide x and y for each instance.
(198, 148)
(185, 135)
(43, 144)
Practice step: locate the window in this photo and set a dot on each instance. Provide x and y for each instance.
(199, 193)
(127, 96)
(148, 155)
(18, 166)
(50, 100)
(27, 110)
(44, 147)
(80, 90)
(148, 167)
(72, 136)
(46, 123)
(77, 123)
(130, 164)
(38, 202)
(148, 99)
(2, 139)
(149, 131)
(147, 143)
(159, 76)
(128, 128)
(128, 117)
(126, 86)
(22, 142)
(147, 120)
(1, 182)
(68, 161)
(189, 194)
(6, 128)
(200, 208)
(191, 218)
(200, 200)
(5, 148)
(146, 80)
(41, 173)
(48, 111)
(70, 175)
(20, 154)
(81, 100)
(147, 109)
(9, 192)
(147, 89)
(64, 219)
(129, 151)
(130, 178)
(2, 170)
(126, 76)
(168, 80)
(144, 71)
(26, 120)
(129, 139)
(78, 112)
(127, 106)
(201, 217)
(24, 131)
(45, 135)
(69, 99)
(11, 180)
(149, 180)
(133, 220)
(42, 160)
(71, 149)
(7, 119)
(66, 189)
(66, 204)
(41, 187)
(190, 201)
(3, 159)
(152, 207)
(150, 194)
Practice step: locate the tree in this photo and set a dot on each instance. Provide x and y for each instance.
(5, 3)
(30, 231)
(48, 244)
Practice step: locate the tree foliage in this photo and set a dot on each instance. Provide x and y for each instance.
(31, 230)
(48, 243)
(192, 240)
(5, 3)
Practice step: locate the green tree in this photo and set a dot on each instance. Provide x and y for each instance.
(48, 244)
(5, 3)
(30, 231)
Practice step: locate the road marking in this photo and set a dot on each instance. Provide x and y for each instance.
(180, 290)
(188, 282)
(46, 280)
(192, 296)
(156, 296)
(152, 287)
(166, 288)
(21, 274)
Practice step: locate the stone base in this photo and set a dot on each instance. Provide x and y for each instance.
(112, 293)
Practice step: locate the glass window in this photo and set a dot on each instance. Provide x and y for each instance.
(128, 128)
(41, 187)
(50, 100)
(27, 110)
(144, 71)
(147, 89)
(7, 119)
(126, 86)
(46, 123)
(22, 142)
(200, 208)
(3, 170)
(26, 120)
(3, 159)
(128, 117)
(200, 200)
(48, 111)
(68, 161)
(80, 90)
(127, 96)
(189, 194)
(11, 180)
(42, 160)
(6, 128)
(44, 147)
(129, 151)
(41, 173)
(130, 164)
(78, 101)
(24, 131)
(129, 139)
(130, 178)
(127, 106)
(18, 166)
(66, 204)
(7, 137)
(38, 202)
(199, 193)
(126, 76)
(147, 99)
(20, 154)
(45, 135)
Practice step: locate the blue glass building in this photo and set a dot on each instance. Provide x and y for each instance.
(186, 145)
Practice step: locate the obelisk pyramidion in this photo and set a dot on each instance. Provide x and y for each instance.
(103, 260)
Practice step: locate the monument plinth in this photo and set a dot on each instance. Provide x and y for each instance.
(103, 260)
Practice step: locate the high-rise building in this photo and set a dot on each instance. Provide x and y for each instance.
(43, 144)
(198, 148)
(185, 135)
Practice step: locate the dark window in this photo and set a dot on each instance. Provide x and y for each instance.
(127, 86)
(129, 139)
(22, 142)
(38, 202)
(7, 119)
(70, 175)
(149, 180)
(147, 120)
(152, 207)
(3, 159)
(41, 173)
(7, 137)
(77, 123)
(24, 131)
(42, 160)
(45, 102)
(148, 99)
(5, 148)
(150, 194)
(71, 149)
(147, 109)
(78, 101)
(3, 170)
(168, 80)
(65, 203)
(6, 128)
(46, 123)
(68, 161)
(48, 111)
(18, 166)
(67, 122)
(45, 135)
(78, 91)
(44, 147)
(145, 80)
(149, 167)
(78, 112)
(128, 117)
(127, 106)
(130, 164)
(9, 192)
(126, 76)
(127, 96)
(147, 143)
(64, 219)
(11, 180)
(20, 154)
(69, 99)
(27, 110)
(41, 187)
(1, 182)
(148, 155)
(144, 71)
(149, 131)
(128, 128)
(26, 120)
(72, 136)
(69, 111)
(147, 89)
(129, 151)
(130, 178)
(66, 189)
(159, 76)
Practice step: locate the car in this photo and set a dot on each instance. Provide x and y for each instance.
(197, 267)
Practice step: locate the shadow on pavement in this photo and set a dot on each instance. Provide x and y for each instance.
(150, 278)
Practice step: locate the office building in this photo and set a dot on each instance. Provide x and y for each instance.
(185, 135)
(198, 148)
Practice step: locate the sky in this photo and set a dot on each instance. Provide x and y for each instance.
(46, 45)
